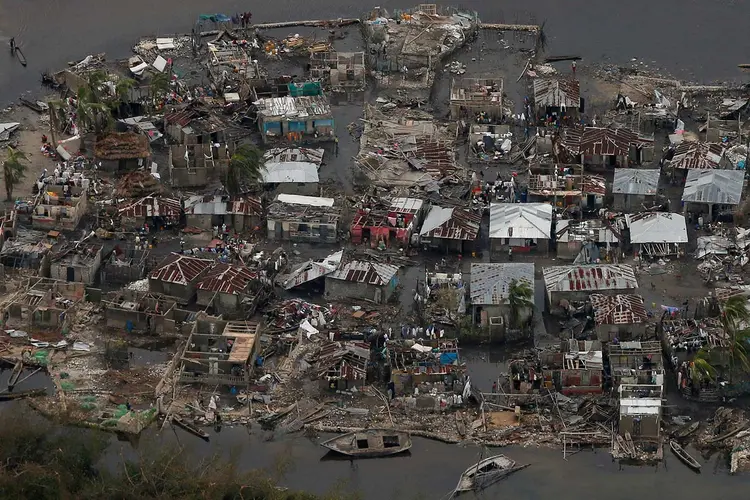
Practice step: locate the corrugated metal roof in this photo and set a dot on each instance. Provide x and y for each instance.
(657, 227)
(365, 272)
(589, 278)
(294, 107)
(599, 141)
(520, 220)
(283, 155)
(489, 283)
(179, 269)
(225, 278)
(406, 205)
(701, 155)
(585, 230)
(291, 171)
(626, 309)
(714, 186)
(151, 207)
(451, 223)
(555, 92)
(311, 270)
(636, 181)
(298, 199)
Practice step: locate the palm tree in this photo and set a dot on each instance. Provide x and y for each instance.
(14, 170)
(122, 93)
(92, 114)
(702, 368)
(519, 298)
(735, 318)
(159, 84)
(245, 166)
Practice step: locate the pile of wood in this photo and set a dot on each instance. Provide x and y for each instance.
(138, 183)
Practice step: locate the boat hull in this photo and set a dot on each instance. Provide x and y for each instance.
(372, 443)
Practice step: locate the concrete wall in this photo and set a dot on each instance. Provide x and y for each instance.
(221, 301)
(118, 318)
(183, 293)
(649, 426)
(607, 333)
(303, 188)
(340, 289)
(282, 230)
(500, 245)
(83, 274)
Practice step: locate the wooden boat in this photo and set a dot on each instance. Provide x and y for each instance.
(190, 427)
(485, 473)
(9, 396)
(686, 430)
(684, 456)
(15, 375)
(21, 58)
(370, 443)
(38, 106)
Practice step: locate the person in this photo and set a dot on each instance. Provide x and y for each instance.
(510, 253)
(336, 145)
(44, 139)
(13, 44)
(573, 65)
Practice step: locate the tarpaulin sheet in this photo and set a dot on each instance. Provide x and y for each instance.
(448, 358)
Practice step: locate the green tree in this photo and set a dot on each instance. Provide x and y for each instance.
(245, 167)
(123, 90)
(519, 298)
(735, 317)
(14, 170)
(702, 368)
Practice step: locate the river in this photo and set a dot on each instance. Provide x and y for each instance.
(701, 40)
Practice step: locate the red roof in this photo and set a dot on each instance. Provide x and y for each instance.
(180, 269)
(225, 278)
(248, 205)
(599, 141)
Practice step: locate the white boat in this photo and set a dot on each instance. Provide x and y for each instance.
(485, 472)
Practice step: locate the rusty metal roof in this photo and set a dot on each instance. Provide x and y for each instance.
(365, 272)
(180, 269)
(151, 206)
(225, 278)
(618, 309)
(554, 92)
(451, 224)
(582, 278)
(702, 155)
(599, 141)
(181, 118)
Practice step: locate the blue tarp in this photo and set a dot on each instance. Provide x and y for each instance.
(448, 358)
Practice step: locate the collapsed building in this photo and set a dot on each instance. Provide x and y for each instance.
(76, 262)
(303, 218)
(386, 222)
(44, 303)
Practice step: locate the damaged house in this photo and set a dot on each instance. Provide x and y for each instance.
(362, 280)
(76, 262)
(197, 165)
(197, 124)
(635, 188)
(386, 223)
(58, 209)
(27, 249)
(120, 151)
(621, 316)
(220, 352)
(230, 289)
(141, 311)
(311, 271)
(557, 96)
(476, 99)
(450, 230)
(657, 234)
(426, 361)
(342, 365)
(292, 170)
(304, 118)
(606, 147)
(243, 213)
(45, 303)
(156, 211)
(303, 218)
(577, 282)
(640, 414)
(489, 288)
(524, 227)
(713, 191)
(124, 265)
(586, 191)
(698, 155)
(178, 276)
(341, 72)
(582, 240)
(576, 369)
(636, 362)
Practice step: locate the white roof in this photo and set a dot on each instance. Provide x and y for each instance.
(312, 201)
(643, 181)
(291, 171)
(640, 406)
(436, 218)
(714, 186)
(409, 205)
(589, 278)
(490, 283)
(657, 227)
(520, 220)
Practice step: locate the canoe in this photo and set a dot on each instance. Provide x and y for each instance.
(38, 106)
(370, 443)
(485, 473)
(190, 427)
(684, 456)
(686, 430)
(21, 58)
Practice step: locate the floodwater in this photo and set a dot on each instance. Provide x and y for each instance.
(701, 40)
